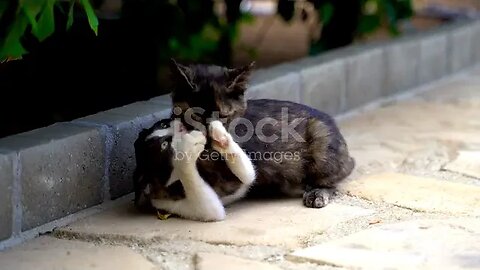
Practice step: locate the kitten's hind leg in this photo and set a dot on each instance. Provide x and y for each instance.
(330, 163)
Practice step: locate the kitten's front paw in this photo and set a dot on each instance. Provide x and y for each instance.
(190, 146)
(178, 127)
(316, 198)
(220, 136)
(196, 141)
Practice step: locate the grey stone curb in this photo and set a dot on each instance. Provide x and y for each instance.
(53, 172)
(353, 76)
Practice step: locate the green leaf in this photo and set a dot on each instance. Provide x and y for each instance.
(12, 47)
(210, 32)
(247, 17)
(403, 8)
(368, 24)
(173, 44)
(46, 22)
(326, 13)
(70, 15)
(390, 12)
(393, 29)
(317, 47)
(233, 32)
(31, 10)
(92, 17)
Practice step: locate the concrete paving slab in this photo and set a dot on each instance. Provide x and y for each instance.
(270, 223)
(50, 253)
(418, 193)
(424, 244)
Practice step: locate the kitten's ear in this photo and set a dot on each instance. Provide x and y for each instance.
(238, 78)
(181, 74)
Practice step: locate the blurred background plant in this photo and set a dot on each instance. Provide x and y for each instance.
(344, 21)
(196, 30)
(36, 16)
(92, 55)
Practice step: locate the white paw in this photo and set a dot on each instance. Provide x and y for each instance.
(178, 127)
(189, 146)
(220, 136)
(196, 141)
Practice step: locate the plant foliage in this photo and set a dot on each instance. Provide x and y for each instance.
(344, 21)
(196, 31)
(36, 17)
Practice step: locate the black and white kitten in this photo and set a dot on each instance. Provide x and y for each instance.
(297, 150)
(167, 175)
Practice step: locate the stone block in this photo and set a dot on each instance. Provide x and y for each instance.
(283, 87)
(164, 100)
(402, 64)
(365, 77)
(62, 167)
(460, 48)
(325, 86)
(6, 187)
(476, 42)
(433, 57)
(263, 75)
(123, 125)
(143, 109)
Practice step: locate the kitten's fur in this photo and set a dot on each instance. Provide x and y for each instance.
(167, 177)
(323, 161)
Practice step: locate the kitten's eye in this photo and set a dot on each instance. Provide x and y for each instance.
(162, 125)
(164, 145)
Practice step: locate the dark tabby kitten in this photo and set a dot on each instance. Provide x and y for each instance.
(296, 150)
